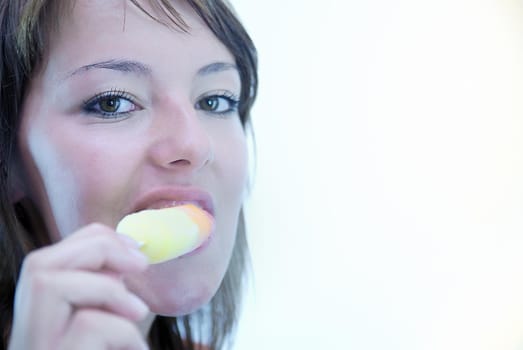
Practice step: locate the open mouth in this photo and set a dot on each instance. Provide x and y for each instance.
(175, 196)
(168, 231)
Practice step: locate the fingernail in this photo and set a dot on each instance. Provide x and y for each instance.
(134, 248)
(141, 308)
(129, 241)
(138, 254)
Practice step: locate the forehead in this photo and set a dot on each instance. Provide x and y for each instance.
(116, 13)
(158, 9)
(97, 30)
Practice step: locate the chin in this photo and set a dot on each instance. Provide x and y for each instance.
(180, 302)
(174, 294)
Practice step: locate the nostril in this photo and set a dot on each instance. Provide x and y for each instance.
(190, 147)
(181, 162)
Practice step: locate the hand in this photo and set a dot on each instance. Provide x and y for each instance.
(71, 295)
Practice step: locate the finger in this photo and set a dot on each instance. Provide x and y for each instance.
(95, 329)
(47, 300)
(87, 289)
(93, 247)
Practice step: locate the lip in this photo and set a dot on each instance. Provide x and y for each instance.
(199, 248)
(160, 197)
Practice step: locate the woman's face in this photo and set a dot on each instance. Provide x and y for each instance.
(127, 114)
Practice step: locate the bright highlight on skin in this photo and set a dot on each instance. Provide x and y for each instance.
(168, 233)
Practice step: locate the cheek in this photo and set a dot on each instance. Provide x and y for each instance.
(68, 179)
(233, 175)
(232, 160)
(231, 151)
(50, 177)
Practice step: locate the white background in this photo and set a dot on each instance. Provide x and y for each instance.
(387, 204)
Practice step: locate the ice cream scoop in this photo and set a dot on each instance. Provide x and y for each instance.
(168, 233)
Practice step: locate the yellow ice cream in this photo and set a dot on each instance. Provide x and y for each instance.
(167, 233)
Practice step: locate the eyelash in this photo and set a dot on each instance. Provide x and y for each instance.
(229, 97)
(92, 105)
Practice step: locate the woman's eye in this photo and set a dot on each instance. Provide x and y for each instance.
(110, 104)
(219, 104)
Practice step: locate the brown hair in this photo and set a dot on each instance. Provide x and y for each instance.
(25, 26)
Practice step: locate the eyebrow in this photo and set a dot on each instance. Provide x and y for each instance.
(216, 67)
(129, 66)
(124, 66)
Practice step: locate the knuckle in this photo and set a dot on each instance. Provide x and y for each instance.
(110, 327)
(33, 272)
(85, 320)
(32, 262)
(39, 282)
(97, 229)
(114, 290)
(96, 226)
(103, 242)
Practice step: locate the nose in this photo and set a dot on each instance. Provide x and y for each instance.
(179, 138)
